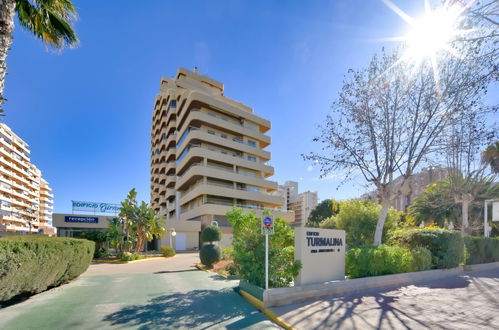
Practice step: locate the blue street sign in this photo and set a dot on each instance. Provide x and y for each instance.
(268, 221)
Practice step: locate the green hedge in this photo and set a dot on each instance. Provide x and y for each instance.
(211, 234)
(481, 250)
(446, 246)
(209, 254)
(31, 264)
(381, 260)
(167, 251)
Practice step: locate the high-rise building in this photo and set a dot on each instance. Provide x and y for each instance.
(207, 155)
(25, 197)
(300, 203)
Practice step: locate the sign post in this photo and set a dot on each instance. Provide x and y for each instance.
(267, 229)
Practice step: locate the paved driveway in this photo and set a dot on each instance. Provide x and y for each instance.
(155, 294)
(468, 301)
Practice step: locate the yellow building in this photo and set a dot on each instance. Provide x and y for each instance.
(207, 155)
(25, 197)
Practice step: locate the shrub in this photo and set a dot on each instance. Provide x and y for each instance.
(227, 252)
(481, 250)
(377, 260)
(249, 250)
(446, 246)
(31, 264)
(421, 259)
(231, 269)
(128, 256)
(209, 254)
(167, 251)
(211, 234)
(359, 218)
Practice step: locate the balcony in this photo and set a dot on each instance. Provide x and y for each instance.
(221, 208)
(221, 156)
(225, 124)
(215, 189)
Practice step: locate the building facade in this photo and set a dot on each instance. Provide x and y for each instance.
(25, 197)
(300, 203)
(207, 155)
(418, 182)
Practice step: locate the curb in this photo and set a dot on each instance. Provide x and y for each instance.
(104, 261)
(258, 304)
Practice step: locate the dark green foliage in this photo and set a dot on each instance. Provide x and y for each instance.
(211, 234)
(249, 250)
(481, 250)
(446, 246)
(100, 238)
(421, 259)
(325, 209)
(436, 203)
(359, 218)
(381, 260)
(209, 254)
(167, 251)
(31, 264)
(128, 256)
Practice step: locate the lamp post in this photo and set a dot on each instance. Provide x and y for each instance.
(172, 233)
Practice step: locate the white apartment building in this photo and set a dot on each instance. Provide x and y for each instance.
(301, 203)
(25, 197)
(208, 154)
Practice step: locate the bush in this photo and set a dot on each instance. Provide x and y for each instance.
(381, 260)
(446, 246)
(481, 250)
(359, 218)
(227, 252)
(127, 256)
(167, 251)
(209, 254)
(249, 250)
(31, 264)
(211, 234)
(231, 269)
(422, 259)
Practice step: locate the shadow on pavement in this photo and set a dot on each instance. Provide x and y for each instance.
(195, 309)
(176, 271)
(343, 309)
(450, 283)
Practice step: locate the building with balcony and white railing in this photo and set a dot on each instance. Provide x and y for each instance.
(25, 197)
(208, 155)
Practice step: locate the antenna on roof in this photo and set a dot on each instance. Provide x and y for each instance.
(196, 70)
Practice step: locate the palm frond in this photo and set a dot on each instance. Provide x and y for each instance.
(49, 20)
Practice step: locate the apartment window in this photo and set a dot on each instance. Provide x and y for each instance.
(251, 143)
(251, 158)
(211, 132)
(223, 136)
(173, 104)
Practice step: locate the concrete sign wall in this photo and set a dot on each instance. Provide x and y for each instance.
(322, 254)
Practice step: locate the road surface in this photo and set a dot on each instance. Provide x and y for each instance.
(153, 294)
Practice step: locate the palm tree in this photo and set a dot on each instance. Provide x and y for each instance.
(148, 224)
(48, 20)
(491, 157)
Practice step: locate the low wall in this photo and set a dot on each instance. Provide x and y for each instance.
(285, 296)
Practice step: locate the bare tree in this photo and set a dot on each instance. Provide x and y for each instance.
(468, 136)
(389, 118)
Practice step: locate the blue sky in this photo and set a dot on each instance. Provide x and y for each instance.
(86, 112)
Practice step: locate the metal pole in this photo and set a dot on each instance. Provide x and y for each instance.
(266, 260)
(171, 239)
(485, 223)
